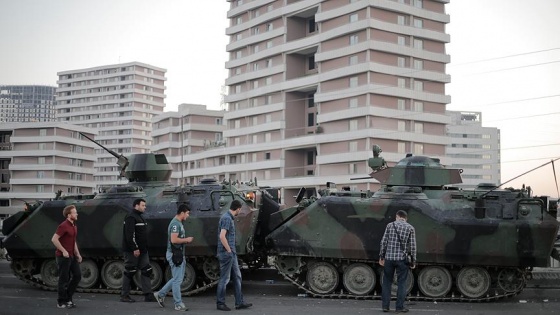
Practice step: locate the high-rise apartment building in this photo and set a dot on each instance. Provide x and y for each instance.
(314, 84)
(119, 102)
(39, 159)
(27, 103)
(198, 131)
(474, 148)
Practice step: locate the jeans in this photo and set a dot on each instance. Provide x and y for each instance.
(133, 264)
(69, 275)
(177, 275)
(229, 268)
(388, 273)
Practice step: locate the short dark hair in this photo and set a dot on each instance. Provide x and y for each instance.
(183, 208)
(137, 202)
(236, 204)
(66, 211)
(402, 214)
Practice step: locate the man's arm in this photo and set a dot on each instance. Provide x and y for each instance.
(55, 240)
(176, 240)
(77, 252)
(224, 241)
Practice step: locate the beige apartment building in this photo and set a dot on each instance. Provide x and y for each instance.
(314, 84)
(118, 101)
(39, 159)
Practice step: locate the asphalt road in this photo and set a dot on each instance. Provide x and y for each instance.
(279, 297)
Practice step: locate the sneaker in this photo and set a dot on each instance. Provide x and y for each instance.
(243, 306)
(61, 305)
(181, 307)
(159, 299)
(70, 304)
(404, 310)
(223, 307)
(127, 299)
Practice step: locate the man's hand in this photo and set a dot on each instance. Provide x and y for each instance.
(136, 253)
(189, 239)
(382, 261)
(79, 258)
(65, 254)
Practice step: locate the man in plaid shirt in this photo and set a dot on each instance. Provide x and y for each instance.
(392, 256)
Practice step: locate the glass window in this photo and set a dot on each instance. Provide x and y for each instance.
(418, 106)
(353, 125)
(401, 20)
(353, 81)
(353, 60)
(418, 149)
(418, 23)
(42, 132)
(401, 125)
(401, 41)
(418, 64)
(401, 104)
(401, 62)
(353, 17)
(401, 82)
(41, 160)
(418, 3)
(353, 146)
(418, 127)
(401, 147)
(353, 39)
(418, 44)
(352, 168)
(418, 86)
(353, 102)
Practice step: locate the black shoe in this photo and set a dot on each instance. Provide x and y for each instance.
(404, 310)
(385, 310)
(242, 306)
(127, 299)
(70, 304)
(223, 307)
(150, 298)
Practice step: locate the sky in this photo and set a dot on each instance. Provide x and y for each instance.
(505, 60)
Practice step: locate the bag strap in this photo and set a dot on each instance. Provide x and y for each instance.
(399, 237)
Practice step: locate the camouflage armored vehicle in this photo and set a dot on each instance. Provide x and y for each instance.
(473, 245)
(28, 234)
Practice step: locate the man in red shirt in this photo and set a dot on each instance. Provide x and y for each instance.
(67, 257)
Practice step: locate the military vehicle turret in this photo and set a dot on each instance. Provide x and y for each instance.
(28, 233)
(473, 245)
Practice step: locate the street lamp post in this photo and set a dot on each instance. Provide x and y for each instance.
(182, 153)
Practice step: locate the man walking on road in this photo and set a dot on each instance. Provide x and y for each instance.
(229, 267)
(399, 239)
(67, 257)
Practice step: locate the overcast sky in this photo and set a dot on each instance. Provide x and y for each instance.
(504, 60)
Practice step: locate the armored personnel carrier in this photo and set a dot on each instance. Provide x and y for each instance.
(28, 233)
(473, 245)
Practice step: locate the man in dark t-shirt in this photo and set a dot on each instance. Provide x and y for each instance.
(68, 257)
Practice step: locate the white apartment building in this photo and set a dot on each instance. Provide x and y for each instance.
(313, 84)
(198, 131)
(474, 148)
(118, 101)
(39, 159)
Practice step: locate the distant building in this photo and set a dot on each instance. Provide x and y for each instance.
(314, 84)
(474, 148)
(27, 103)
(195, 129)
(119, 102)
(39, 159)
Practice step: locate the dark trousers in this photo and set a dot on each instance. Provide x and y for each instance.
(388, 273)
(131, 266)
(69, 275)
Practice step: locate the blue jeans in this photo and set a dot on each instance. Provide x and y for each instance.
(69, 276)
(388, 273)
(177, 275)
(229, 268)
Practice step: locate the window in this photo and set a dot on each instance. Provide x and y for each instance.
(255, 84)
(418, 64)
(239, 36)
(401, 147)
(40, 188)
(353, 102)
(268, 100)
(401, 125)
(485, 136)
(41, 160)
(418, 106)
(269, 27)
(418, 86)
(353, 81)
(353, 146)
(486, 156)
(269, 44)
(311, 26)
(353, 60)
(418, 127)
(255, 121)
(486, 167)
(353, 39)
(255, 30)
(253, 157)
(268, 137)
(255, 139)
(268, 81)
(269, 63)
(311, 62)
(418, 44)
(401, 20)
(236, 141)
(238, 21)
(353, 125)
(401, 82)
(418, 149)
(267, 174)
(352, 168)
(310, 119)
(418, 23)
(267, 156)
(310, 157)
(256, 49)
(353, 18)
(40, 174)
(238, 54)
(401, 104)
(401, 41)
(401, 62)
(486, 146)
(237, 124)
(42, 132)
(417, 3)
(42, 146)
(268, 118)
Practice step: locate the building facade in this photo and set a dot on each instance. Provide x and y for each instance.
(39, 159)
(314, 84)
(474, 149)
(27, 103)
(119, 102)
(198, 131)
